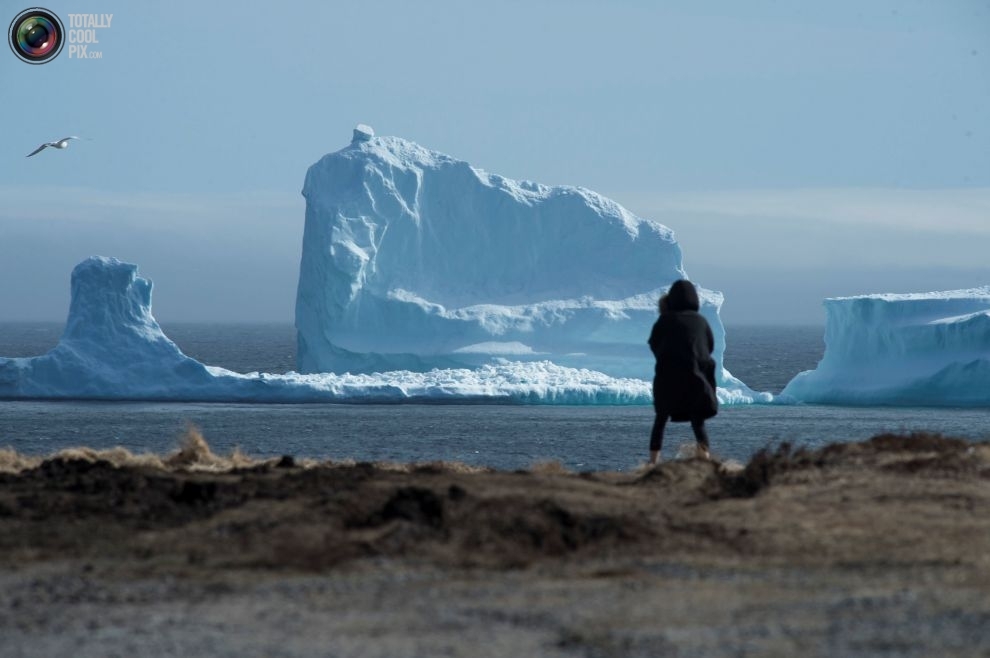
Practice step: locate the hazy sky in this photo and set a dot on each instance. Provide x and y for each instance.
(799, 149)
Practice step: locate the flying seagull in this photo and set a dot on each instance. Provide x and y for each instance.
(60, 144)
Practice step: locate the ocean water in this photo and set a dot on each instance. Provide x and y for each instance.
(502, 436)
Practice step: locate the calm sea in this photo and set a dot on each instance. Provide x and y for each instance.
(502, 436)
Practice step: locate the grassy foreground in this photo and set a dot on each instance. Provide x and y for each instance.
(873, 548)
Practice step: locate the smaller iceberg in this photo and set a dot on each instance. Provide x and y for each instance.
(925, 349)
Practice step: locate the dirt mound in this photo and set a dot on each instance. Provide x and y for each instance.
(917, 453)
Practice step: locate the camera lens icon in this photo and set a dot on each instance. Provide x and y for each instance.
(36, 35)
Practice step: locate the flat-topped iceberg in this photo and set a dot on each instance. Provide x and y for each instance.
(930, 349)
(415, 260)
(114, 349)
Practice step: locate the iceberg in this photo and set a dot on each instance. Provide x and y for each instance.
(422, 278)
(415, 260)
(113, 349)
(924, 349)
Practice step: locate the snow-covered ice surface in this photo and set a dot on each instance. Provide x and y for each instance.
(414, 260)
(930, 349)
(113, 348)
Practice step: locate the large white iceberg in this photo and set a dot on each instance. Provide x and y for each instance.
(930, 349)
(415, 260)
(114, 349)
(422, 278)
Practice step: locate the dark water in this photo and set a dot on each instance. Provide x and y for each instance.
(502, 436)
(767, 358)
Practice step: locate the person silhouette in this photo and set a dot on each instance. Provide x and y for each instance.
(684, 381)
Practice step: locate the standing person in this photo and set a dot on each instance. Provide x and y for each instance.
(684, 383)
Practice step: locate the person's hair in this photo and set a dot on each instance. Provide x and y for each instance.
(662, 304)
(682, 296)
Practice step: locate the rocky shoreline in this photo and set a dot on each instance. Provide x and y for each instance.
(873, 548)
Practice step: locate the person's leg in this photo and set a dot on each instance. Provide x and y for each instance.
(656, 436)
(701, 436)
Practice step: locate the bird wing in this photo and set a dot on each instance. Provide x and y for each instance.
(65, 139)
(37, 150)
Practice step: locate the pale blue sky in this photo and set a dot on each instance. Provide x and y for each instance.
(798, 149)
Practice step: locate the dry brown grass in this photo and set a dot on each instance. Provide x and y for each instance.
(552, 467)
(194, 454)
(12, 461)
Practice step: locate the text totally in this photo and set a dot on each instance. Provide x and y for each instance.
(82, 33)
(90, 20)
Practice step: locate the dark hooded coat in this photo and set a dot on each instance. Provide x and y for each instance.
(682, 342)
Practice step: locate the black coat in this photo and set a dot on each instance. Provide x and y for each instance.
(682, 342)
